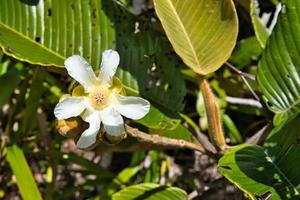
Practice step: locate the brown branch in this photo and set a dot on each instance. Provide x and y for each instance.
(163, 142)
(141, 146)
(239, 72)
(204, 141)
(199, 136)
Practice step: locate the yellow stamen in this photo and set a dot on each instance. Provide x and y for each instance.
(99, 97)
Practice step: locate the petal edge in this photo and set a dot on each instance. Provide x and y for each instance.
(132, 107)
(112, 121)
(80, 70)
(69, 107)
(89, 136)
(109, 65)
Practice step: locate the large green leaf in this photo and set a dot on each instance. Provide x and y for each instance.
(148, 65)
(269, 171)
(21, 170)
(203, 33)
(246, 51)
(48, 32)
(86, 28)
(159, 121)
(150, 191)
(278, 71)
(121, 180)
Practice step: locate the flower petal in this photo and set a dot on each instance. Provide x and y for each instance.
(69, 107)
(112, 121)
(79, 69)
(89, 136)
(132, 107)
(109, 64)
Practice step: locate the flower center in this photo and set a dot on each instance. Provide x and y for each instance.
(99, 98)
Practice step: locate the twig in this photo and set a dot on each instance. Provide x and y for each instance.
(193, 195)
(162, 141)
(250, 88)
(244, 76)
(201, 138)
(261, 135)
(204, 141)
(239, 72)
(244, 101)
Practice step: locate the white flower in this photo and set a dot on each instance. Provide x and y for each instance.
(99, 99)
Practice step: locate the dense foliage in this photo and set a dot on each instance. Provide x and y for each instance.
(222, 77)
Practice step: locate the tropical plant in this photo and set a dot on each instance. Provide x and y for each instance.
(209, 91)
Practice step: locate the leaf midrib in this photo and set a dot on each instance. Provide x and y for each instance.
(184, 31)
(30, 40)
(270, 160)
(294, 104)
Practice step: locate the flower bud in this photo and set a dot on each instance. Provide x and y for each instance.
(114, 139)
(72, 127)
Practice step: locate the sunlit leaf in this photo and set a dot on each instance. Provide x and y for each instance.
(203, 33)
(21, 170)
(150, 191)
(48, 32)
(247, 50)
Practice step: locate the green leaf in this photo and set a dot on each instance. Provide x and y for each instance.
(52, 30)
(278, 70)
(148, 65)
(161, 124)
(121, 180)
(260, 20)
(125, 175)
(246, 51)
(147, 68)
(21, 170)
(203, 37)
(270, 170)
(260, 30)
(3, 64)
(159, 121)
(152, 172)
(180, 132)
(88, 165)
(233, 131)
(150, 191)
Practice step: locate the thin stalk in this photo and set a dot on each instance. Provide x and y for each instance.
(244, 76)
